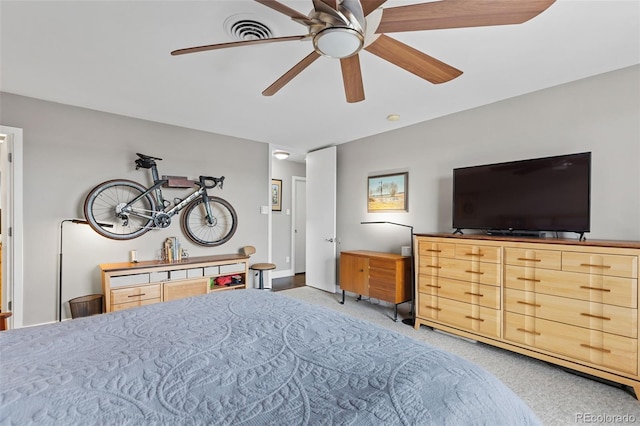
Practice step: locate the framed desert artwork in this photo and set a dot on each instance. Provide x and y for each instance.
(388, 193)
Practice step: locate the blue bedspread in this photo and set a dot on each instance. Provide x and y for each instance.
(241, 357)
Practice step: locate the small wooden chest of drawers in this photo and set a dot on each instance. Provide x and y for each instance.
(382, 276)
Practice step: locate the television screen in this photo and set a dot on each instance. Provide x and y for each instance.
(541, 194)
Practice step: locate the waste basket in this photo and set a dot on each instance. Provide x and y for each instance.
(86, 305)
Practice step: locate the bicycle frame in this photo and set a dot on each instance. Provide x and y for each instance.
(156, 193)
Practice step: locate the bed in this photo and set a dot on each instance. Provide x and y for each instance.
(244, 357)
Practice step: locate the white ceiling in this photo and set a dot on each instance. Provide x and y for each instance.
(114, 56)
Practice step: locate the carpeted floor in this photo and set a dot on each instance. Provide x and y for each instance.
(555, 395)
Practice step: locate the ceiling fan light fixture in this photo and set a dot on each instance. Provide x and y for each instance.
(281, 155)
(338, 42)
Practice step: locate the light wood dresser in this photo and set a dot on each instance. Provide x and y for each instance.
(569, 302)
(126, 285)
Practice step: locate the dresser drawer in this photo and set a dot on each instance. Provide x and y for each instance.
(469, 270)
(474, 318)
(133, 294)
(477, 252)
(134, 304)
(595, 288)
(601, 264)
(533, 258)
(463, 291)
(581, 313)
(431, 249)
(604, 349)
(188, 288)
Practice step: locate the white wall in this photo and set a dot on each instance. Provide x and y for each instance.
(599, 114)
(281, 221)
(69, 150)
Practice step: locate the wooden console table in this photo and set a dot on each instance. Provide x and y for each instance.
(382, 276)
(126, 285)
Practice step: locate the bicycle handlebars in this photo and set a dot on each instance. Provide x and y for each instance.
(215, 180)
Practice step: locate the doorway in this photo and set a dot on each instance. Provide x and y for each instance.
(11, 224)
(299, 225)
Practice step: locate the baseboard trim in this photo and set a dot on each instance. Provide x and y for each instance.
(282, 274)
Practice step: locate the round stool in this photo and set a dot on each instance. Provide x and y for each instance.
(261, 267)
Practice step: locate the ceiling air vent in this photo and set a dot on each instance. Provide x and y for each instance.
(242, 28)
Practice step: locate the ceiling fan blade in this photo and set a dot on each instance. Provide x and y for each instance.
(369, 6)
(234, 44)
(289, 75)
(459, 14)
(352, 78)
(285, 10)
(333, 4)
(412, 60)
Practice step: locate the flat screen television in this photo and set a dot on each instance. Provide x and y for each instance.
(528, 196)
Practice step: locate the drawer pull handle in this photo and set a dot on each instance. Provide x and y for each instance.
(533, 280)
(595, 316)
(431, 307)
(591, 265)
(136, 295)
(526, 259)
(433, 266)
(595, 288)
(473, 318)
(529, 304)
(607, 351)
(474, 254)
(475, 272)
(434, 250)
(524, 330)
(474, 294)
(431, 285)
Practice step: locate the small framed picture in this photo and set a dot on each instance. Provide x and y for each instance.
(276, 195)
(388, 193)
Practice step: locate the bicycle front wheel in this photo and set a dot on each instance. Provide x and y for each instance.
(109, 213)
(219, 230)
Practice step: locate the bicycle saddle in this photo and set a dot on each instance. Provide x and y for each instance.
(147, 157)
(145, 161)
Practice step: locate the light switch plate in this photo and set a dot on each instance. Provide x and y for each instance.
(264, 209)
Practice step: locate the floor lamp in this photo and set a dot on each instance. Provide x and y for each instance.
(409, 321)
(77, 221)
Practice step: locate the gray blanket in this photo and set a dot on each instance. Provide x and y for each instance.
(242, 357)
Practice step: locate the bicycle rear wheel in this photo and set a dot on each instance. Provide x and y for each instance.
(105, 209)
(200, 231)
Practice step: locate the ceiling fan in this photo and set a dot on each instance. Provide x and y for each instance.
(342, 28)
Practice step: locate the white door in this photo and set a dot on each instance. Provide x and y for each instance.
(321, 219)
(299, 224)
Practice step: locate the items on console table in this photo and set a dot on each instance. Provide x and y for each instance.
(382, 276)
(569, 302)
(127, 284)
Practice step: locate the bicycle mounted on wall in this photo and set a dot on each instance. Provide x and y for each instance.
(123, 209)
